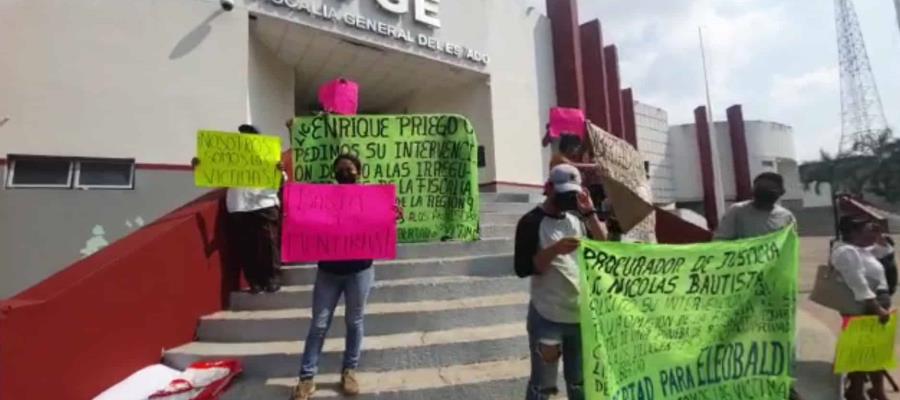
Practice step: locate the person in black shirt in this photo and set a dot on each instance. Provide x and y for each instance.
(353, 279)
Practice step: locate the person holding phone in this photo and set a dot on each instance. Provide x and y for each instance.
(545, 250)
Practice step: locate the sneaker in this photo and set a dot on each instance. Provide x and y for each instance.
(349, 383)
(256, 289)
(304, 390)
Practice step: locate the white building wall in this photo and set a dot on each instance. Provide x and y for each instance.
(112, 78)
(653, 143)
(726, 159)
(770, 146)
(271, 92)
(472, 101)
(686, 162)
(522, 90)
(768, 142)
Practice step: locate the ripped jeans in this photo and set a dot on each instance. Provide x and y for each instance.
(542, 383)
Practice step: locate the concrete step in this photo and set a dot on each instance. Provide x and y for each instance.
(498, 231)
(498, 380)
(500, 218)
(511, 198)
(410, 350)
(381, 318)
(466, 265)
(487, 246)
(388, 291)
(254, 389)
(507, 208)
(454, 249)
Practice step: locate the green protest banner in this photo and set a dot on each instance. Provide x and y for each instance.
(237, 160)
(432, 159)
(866, 345)
(704, 321)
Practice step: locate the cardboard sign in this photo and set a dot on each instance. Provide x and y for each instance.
(432, 159)
(339, 222)
(237, 160)
(621, 168)
(340, 96)
(701, 321)
(866, 345)
(566, 121)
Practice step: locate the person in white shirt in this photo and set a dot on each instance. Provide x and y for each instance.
(545, 250)
(254, 221)
(856, 259)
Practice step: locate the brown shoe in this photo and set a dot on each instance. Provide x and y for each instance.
(349, 383)
(304, 390)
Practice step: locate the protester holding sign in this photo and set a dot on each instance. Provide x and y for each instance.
(714, 321)
(254, 222)
(432, 159)
(546, 240)
(353, 279)
(760, 216)
(856, 259)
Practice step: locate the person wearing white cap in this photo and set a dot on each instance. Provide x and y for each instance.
(546, 242)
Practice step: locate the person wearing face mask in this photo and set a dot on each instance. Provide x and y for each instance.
(545, 250)
(254, 223)
(759, 216)
(855, 257)
(353, 279)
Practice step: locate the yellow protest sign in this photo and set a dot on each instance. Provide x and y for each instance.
(237, 160)
(866, 345)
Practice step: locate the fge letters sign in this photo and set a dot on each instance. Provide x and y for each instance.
(425, 12)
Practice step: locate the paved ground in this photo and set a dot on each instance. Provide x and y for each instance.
(817, 325)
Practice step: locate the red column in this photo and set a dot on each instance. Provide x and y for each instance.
(594, 74)
(706, 167)
(616, 121)
(566, 53)
(739, 153)
(630, 120)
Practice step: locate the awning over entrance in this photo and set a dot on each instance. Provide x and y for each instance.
(386, 77)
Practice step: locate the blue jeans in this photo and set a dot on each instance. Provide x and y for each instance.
(542, 383)
(326, 293)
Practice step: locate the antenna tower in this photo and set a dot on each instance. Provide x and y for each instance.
(862, 115)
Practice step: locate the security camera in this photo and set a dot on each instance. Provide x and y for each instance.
(227, 5)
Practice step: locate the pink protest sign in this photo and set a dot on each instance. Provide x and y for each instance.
(340, 96)
(566, 120)
(339, 222)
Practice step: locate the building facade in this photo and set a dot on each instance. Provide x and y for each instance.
(654, 143)
(769, 148)
(100, 112)
(675, 164)
(98, 115)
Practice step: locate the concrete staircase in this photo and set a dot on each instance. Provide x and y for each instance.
(444, 321)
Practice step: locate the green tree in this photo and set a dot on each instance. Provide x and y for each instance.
(872, 167)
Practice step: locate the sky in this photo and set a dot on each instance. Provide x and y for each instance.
(778, 58)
